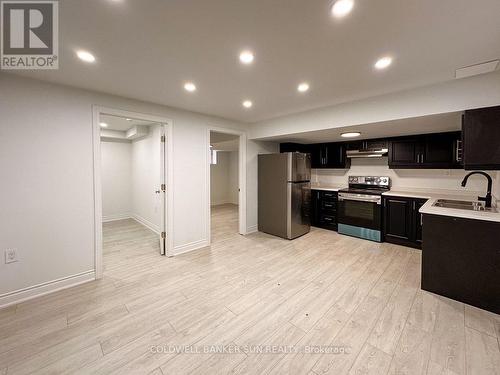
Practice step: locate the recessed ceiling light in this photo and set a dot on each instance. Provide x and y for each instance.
(103, 125)
(342, 8)
(383, 62)
(246, 57)
(190, 86)
(128, 119)
(247, 104)
(303, 87)
(85, 56)
(350, 135)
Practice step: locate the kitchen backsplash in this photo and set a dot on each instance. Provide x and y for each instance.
(448, 179)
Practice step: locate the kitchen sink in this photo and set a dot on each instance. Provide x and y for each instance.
(462, 205)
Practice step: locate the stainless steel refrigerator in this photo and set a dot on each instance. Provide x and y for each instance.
(285, 194)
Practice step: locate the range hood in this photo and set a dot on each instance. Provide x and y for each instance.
(367, 153)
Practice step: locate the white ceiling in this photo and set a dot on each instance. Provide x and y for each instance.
(147, 49)
(417, 125)
(224, 141)
(121, 123)
(216, 137)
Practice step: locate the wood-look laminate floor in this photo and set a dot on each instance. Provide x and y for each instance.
(321, 304)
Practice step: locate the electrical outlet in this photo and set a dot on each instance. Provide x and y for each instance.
(10, 256)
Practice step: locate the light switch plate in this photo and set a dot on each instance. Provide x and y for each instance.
(10, 256)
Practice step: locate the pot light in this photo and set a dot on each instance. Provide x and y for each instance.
(190, 86)
(246, 57)
(128, 119)
(303, 87)
(85, 56)
(247, 104)
(103, 125)
(350, 134)
(342, 8)
(383, 62)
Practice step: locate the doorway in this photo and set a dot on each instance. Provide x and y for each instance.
(132, 166)
(226, 180)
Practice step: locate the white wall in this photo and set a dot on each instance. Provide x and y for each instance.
(146, 179)
(496, 188)
(46, 164)
(452, 96)
(116, 179)
(224, 178)
(233, 177)
(130, 177)
(448, 179)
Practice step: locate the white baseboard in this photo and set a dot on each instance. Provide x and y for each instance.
(218, 203)
(223, 203)
(39, 290)
(252, 229)
(190, 247)
(109, 218)
(146, 223)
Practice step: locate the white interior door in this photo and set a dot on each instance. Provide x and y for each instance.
(163, 191)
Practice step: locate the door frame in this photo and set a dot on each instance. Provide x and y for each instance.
(168, 173)
(242, 179)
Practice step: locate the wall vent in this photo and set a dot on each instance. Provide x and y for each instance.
(477, 69)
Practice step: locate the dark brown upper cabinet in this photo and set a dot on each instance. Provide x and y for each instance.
(329, 156)
(404, 152)
(368, 144)
(294, 147)
(441, 150)
(481, 138)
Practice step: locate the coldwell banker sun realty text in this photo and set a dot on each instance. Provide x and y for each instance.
(29, 37)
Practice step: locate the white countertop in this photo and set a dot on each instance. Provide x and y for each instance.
(328, 187)
(433, 195)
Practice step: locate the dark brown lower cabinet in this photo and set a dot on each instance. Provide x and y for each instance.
(324, 209)
(402, 221)
(461, 260)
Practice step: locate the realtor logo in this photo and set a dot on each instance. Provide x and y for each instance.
(29, 35)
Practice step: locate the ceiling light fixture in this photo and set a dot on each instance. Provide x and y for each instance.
(303, 87)
(246, 57)
(103, 125)
(383, 62)
(85, 56)
(190, 86)
(350, 134)
(247, 104)
(342, 8)
(128, 119)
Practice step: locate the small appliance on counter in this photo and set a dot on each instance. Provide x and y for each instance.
(360, 207)
(284, 194)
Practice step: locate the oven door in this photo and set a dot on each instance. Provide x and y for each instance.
(360, 210)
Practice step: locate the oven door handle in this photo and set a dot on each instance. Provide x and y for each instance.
(360, 199)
